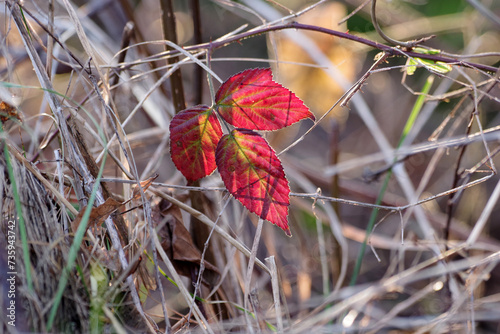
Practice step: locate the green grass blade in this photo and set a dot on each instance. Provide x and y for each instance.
(170, 279)
(371, 223)
(416, 109)
(75, 247)
(25, 22)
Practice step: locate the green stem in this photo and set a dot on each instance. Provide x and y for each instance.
(75, 247)
(409, 124)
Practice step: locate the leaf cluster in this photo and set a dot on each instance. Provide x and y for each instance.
(249, 167)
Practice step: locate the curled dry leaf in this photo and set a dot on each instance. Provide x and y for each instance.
(98, 214)
(177, 243)
(107, 257)
(144, 185)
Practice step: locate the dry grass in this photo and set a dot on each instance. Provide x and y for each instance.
(93, 100)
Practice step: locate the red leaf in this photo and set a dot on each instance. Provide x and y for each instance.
(194, 133)
(253, 174)
(252, 100)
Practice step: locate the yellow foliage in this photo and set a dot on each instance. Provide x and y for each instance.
(312, 84)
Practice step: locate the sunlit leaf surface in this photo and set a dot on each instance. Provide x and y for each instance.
(253, 174)
(252, 100)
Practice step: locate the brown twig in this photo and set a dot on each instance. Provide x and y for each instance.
(128, 31)
(354, 12)
(392, 51)
(198, 73)
(170, 34)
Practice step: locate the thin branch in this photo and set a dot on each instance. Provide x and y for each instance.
(314, 196)
(354, 12)
(392, 51)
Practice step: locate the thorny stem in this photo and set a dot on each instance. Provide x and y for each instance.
(391, 51)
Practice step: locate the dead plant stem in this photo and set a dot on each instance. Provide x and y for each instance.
(248, 277)
(170, 34)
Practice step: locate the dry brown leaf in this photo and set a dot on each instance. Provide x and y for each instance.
(179, 246)
(144, 185)
(98, 215)
(7, 112)
(108, 258)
